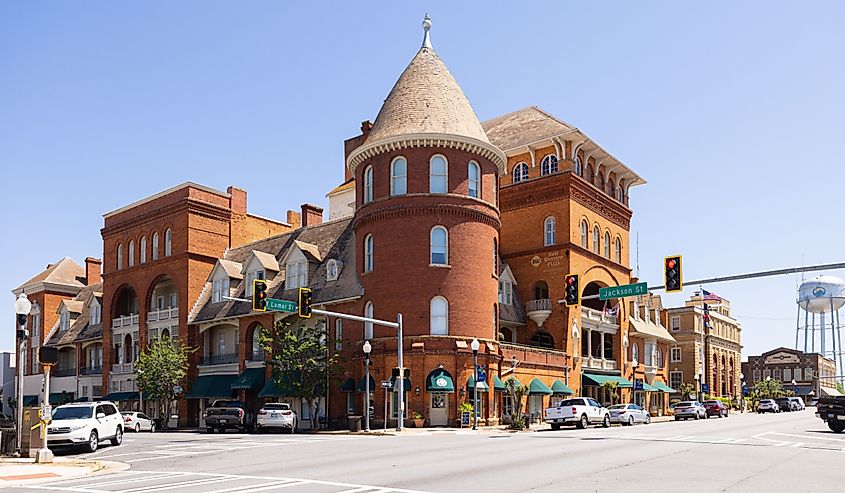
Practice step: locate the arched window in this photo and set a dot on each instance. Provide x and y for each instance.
(520, 172)
(439, 246)
(368, 184)
(619, 194)
(584, 234)
(635, 352)
(549, 165)
(474, 178)
(368, 326)
(617, 250)
(399, 176)
(438, 175)
(542, 338)
(495, 258)
(596, 241)
(600, 181)
(588, 173)
(338, 334)
(549, 228)
(155, 246)
(439, 316)
(256, 343)
(579, 168)
(131, 253)
(143, 249)
(368, 253)
(120, 256)
(168, 242)
(606, 244)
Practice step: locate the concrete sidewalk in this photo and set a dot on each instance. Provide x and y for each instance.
(24, 471)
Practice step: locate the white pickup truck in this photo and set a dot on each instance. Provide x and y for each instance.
(580, 411)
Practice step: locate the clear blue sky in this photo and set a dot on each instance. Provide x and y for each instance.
(731, 112)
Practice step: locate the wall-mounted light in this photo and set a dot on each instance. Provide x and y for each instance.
(417, 391)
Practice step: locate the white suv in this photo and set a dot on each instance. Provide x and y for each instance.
(85, 424)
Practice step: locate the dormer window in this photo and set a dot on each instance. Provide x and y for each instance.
(505, 292)
(332, 270)
(220, 288)
(296, 274)
(64, 319)
(95, 313)
(251, 277)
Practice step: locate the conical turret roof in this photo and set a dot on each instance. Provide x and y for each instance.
(426, 100)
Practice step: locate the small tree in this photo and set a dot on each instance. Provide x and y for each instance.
(300, 361)
(686, 390)
(161, 366)
(516, 393)
(611, 388)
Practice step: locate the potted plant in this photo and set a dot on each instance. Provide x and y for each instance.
(464, 414)
(419, 420)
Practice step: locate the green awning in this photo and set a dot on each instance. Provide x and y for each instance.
(597, 379)
(538, 387)
(121, 396)
(211, 386)
(62, 397)
(272, 389)
(407, 384)
(362, 385)
(559, 388)
(439, 380)
(30, 400)
(662, 387)
(648, 388)
(498, 385)
(482, 386)
(517, 383)
(348, 385)
(251, 378)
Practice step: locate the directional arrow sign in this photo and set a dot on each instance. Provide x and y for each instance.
(281, 305)
(618, 291)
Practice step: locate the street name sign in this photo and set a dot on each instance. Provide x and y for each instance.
(622, 291)
(281, 305)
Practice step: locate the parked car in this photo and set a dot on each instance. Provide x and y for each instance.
(799, 403)
(832, 411)
(227, 413)
(278, 415)
(715, 408)
(579, 411)
(628, 414)
(768, 406)
(85, 424)
(784, 404)
(137, 422)
(689, 409)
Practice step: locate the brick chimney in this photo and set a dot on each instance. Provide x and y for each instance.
(93, 270)
(350, 145)
(311, 215)
(238, 200)
(294, 219)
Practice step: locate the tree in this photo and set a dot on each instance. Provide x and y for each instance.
(516, 392)
(301, 363)
(686, 389)
(161, 367)
(611, 388)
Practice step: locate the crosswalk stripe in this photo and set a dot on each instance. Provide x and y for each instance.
(192, 482)
(259, 487)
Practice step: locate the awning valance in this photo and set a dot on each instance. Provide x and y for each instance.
(65, 397)
(537, 387)
(662, 387)
(121, 396)
(211, 386)
(439, 380)
(598, 379)
(251, 378)
(482, 386)
(560, 388)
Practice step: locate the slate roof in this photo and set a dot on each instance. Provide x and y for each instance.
(514, 312)
(333, 239)
(523, 127)
(426, 100)
(232, 269)
(268, 261)
(80, 328)
(65, 271)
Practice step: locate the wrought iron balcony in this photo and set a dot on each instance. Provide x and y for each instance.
(91, 370)
(257, 355)
(219, 359)
(64, 372)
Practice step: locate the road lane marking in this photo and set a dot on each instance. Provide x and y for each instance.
(260, 487)
(181, 484)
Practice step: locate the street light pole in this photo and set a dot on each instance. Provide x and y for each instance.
(400, 425)
(22, 308)
(475, 345)
(367, 348)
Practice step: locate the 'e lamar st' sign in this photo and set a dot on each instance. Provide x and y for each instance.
(623, 291)
(281, 305)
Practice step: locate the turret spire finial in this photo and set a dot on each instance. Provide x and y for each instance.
(426, 25)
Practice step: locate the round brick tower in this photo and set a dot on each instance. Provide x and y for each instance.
(426, 221)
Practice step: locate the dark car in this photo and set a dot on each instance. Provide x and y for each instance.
(784, 404)
(715, 408)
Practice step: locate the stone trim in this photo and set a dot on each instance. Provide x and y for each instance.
(363, 216)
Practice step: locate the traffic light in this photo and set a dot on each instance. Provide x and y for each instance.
(259, 295)
(304, 304)
(672, 274)
(573, 296)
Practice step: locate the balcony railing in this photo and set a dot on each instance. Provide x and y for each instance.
(91, 370)
(122, 367)
(219, 359)
(64, 372)
(125, 321)
(539, 310)
(257, 355)
(592, 314)
(598, 363)
(164, 314)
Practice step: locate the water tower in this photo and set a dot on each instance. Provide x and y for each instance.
(819, 303)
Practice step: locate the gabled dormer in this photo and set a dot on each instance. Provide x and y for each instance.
(69, 311)
(259, 265)
(299, 261)
(95, 312)
(221, 278)
(507, 281)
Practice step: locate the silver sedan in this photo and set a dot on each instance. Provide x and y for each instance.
(628, 414)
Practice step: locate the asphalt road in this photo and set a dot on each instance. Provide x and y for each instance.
(777, 452)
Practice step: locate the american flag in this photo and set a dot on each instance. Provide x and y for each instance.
(708, 296)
